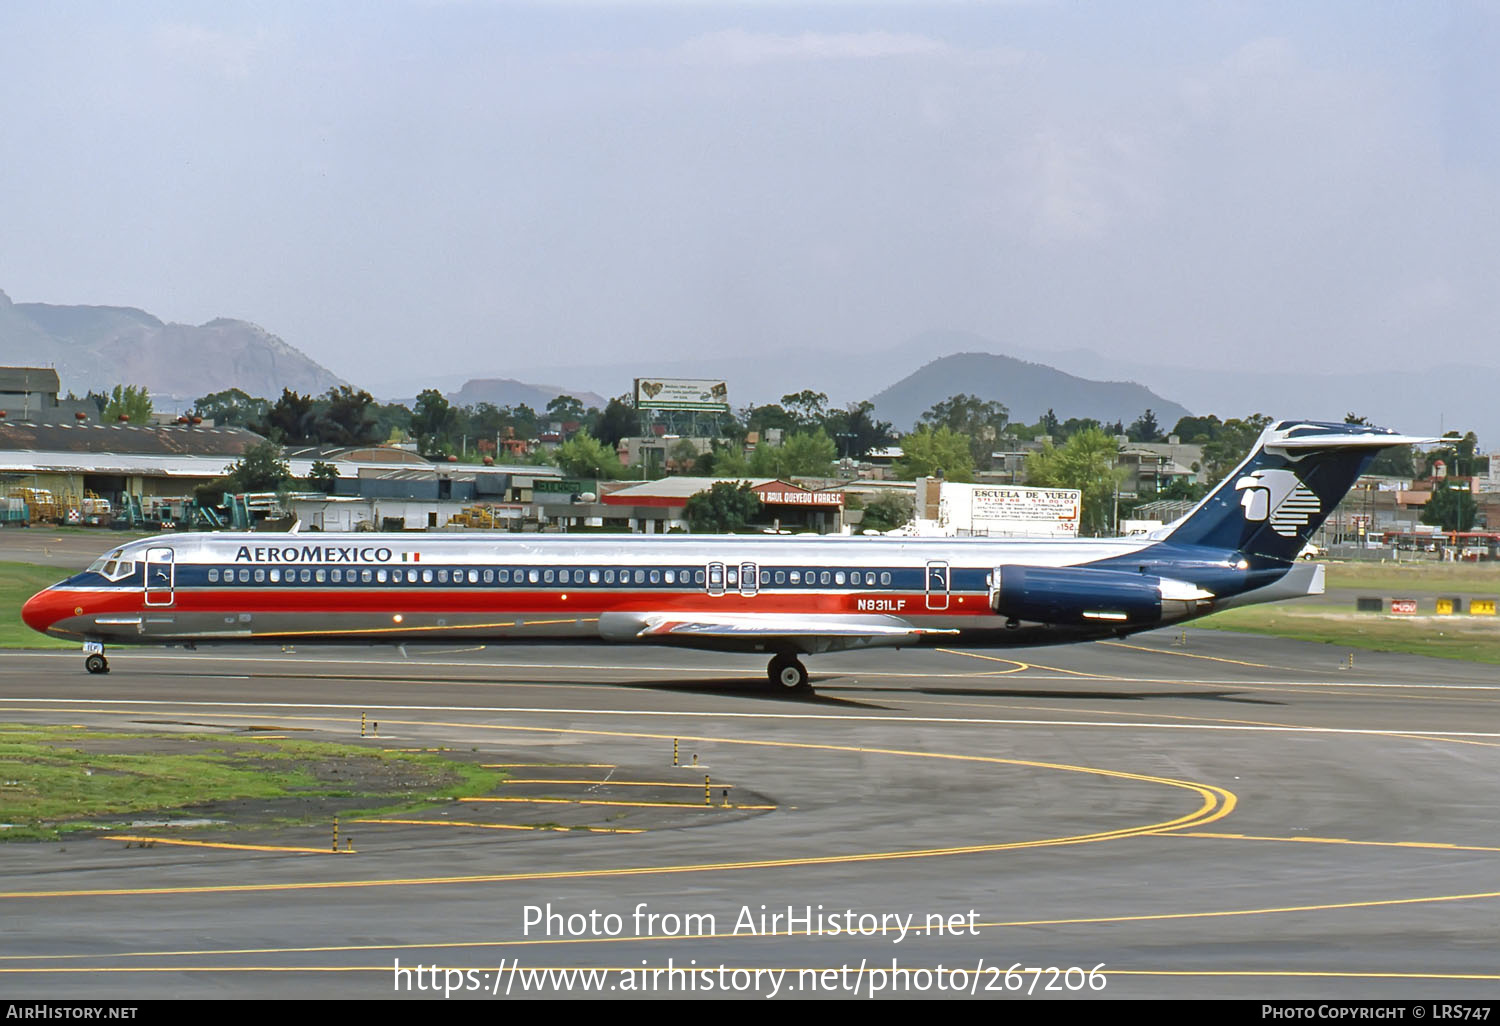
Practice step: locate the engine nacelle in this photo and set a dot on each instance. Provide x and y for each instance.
(1084, 595)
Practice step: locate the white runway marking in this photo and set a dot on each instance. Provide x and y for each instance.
(722, 715)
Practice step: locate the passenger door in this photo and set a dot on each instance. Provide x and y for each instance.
(161, 576)
(937, 584)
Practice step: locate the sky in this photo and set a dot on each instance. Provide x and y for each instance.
(417, 187)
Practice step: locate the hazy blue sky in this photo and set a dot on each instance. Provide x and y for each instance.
(431, 187)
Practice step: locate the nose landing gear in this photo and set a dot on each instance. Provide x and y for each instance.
(93, 657)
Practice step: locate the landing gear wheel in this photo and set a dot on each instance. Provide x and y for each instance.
(788, 674)
(96, 663)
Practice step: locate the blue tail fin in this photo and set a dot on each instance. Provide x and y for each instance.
(1293, 478)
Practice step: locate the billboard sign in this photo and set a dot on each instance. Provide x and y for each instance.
(681, 394)
(989, 506)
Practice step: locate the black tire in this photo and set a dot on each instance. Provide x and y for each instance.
(788, 674)
(96, 663)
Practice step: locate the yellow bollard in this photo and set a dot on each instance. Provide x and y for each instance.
(361, 724)
(674, 751)
(708, 798)
(335, 835)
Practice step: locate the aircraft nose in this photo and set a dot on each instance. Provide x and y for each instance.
(43, 609)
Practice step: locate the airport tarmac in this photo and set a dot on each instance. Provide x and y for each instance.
(1179, 814)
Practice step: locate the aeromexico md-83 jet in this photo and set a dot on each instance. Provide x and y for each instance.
(787, 597)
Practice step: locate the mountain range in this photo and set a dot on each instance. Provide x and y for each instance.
(95, 348)
(1028, 391)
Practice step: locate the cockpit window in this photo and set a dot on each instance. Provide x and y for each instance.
(118, 570)
(98, 565)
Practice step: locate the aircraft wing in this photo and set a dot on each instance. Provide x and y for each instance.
(771, 626)
(749, 631)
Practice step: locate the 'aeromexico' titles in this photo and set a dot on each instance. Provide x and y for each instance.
(312, 554)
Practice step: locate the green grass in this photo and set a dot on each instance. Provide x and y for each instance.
(1471, 638)
(1476, 639)
(1428, 577)
(55, 780)
(18, 582)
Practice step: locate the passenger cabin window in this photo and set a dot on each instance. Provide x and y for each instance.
(213, 576)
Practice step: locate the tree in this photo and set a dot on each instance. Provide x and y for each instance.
(260, 468)
(583, 456)
(857, 431)
(887, 512)
(619, 420)
(132, 402)
(726, 508)
(927, 453)
(766, 418)
(1086, 462)
(1232, 444)
(726, 459)
(1451, 507)
(232, 408)
(1457, 453)
(433, 422)
(809, 454)
(290, 418)
(981, 421)
(323, 476)
(564, 408)
(1198, 430)
(1144, 429)
(346, 417)
(1397, 461)
(806, 408)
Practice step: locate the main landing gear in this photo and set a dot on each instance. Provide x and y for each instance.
(788, 674)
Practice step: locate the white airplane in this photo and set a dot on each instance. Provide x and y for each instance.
(787, 597)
